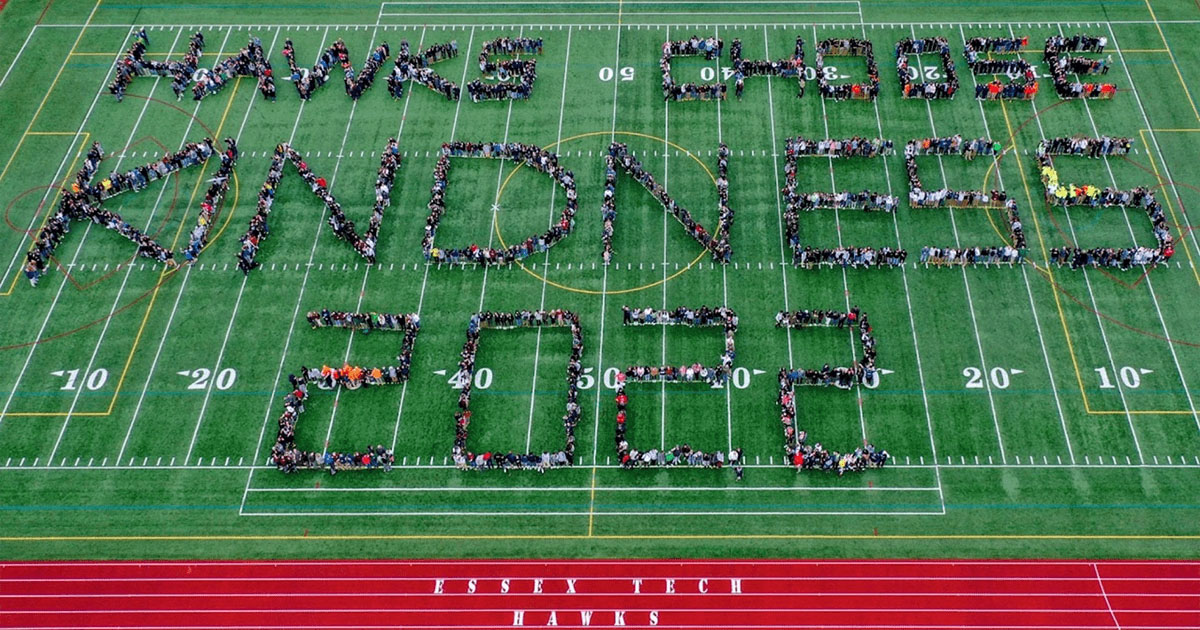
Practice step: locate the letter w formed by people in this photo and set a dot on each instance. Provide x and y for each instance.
(344, 228)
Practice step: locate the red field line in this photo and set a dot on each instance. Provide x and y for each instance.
(1059, 595)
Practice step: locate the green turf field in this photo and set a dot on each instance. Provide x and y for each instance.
(1030, 411)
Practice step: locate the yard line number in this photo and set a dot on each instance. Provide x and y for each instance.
(224, 381)
(1000, 377)
(1130, 376)
(93, 381)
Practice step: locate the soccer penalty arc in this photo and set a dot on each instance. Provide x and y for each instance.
(83, 200)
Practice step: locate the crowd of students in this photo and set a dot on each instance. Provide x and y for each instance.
(530, 155)
(135, 63)
(710, 48)
(798, 453)
(344, 228)
(505, 70)
(307, 82)
(928, 90)
(410, 67)
(1072, 195)
(286, 456)
(866, 200)
(920, 197)
(1060, 63)
(250, 61)
(715, 375)
(210, 206)
(82, 202)
(977, 53)
(619, 157)
(853, 48)
(785, 68)
(464, 458)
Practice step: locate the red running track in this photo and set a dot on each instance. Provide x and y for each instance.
(871, 594)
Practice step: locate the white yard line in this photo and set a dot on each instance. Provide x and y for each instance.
(724, 280)
(425, 277)
(662, 437)
(362, 289)
(1025, 275)
(911, 321)
(862, 419)
(537, 350)
(600, 387)
(966, 281)
(187, 274)
(785, 256)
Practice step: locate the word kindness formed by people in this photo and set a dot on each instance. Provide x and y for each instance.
(508, 71)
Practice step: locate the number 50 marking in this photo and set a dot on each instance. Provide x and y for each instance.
(606, 73)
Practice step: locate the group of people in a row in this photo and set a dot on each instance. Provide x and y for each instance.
(410, 67)
(619, 157)
(1073, 195)
(464, 458)
(82, 202)
(703, 316)
(343, 228)
(784, 68)
(307, 81)
(810, 257)
(978, 53)
(135, 64)
(1060, 63)
(681, 455)
(944, 197)
(530, 155)
(798, 453)
(250, 61)
(928, 90)
(710, 48)
(524, 71)
(853, 48)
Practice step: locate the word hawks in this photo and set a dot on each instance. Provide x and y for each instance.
(580, 616)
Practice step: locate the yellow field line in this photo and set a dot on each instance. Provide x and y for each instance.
(53, 133)
(1179, 74)
(350, 537)
(159, 285)
(49, 91)
(1145, 50)
(1046, 256)
(592, 504)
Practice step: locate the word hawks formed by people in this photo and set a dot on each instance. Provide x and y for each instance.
(289, 457)
(508, 68)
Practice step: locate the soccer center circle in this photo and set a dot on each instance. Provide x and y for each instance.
(564, 287)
